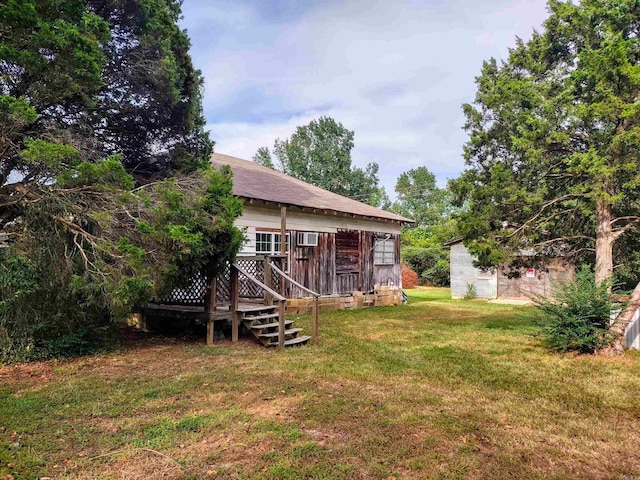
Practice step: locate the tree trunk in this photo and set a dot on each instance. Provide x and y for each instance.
(604, 241)
(604, 268)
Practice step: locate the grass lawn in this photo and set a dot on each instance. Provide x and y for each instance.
(434, 389)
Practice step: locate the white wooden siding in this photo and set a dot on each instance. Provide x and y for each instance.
(249, 245)
(260, 217)
(632, 333)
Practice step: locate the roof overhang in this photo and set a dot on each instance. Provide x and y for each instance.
(321, 211)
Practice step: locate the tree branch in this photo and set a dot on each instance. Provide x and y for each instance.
(633, 218)
(542, 209)
(564, 239)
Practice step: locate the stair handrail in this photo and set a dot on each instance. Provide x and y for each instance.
(259, 283)
(291, 280)
(315, 295)
(281, 303)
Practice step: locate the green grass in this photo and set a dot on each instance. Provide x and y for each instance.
(434, 389)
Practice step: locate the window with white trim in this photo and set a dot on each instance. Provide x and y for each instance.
(268, 243)
(384, 252)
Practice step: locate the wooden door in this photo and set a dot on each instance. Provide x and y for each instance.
(348, 264)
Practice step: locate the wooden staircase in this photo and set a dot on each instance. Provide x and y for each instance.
(262, 321)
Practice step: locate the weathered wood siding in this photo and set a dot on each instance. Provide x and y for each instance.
(385, 275)
(348, 265)
(541, 284)
(366, 254)
(307, 221)
(343, 260)
(314, 267)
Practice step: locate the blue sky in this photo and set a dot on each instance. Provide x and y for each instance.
(396, 72)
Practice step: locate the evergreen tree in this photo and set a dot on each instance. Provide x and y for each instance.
(106, 197)
(553, 157)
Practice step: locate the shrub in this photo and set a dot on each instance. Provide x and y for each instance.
(409, 277)
(471, 292)
(577, 318)
(43, 311)
(430, 263)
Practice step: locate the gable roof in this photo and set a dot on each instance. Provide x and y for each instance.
(253, 181)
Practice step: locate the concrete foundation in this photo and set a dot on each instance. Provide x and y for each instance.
(381, 297)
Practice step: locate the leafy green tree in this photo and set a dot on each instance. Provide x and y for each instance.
(431, 263)
(263, 157)
(90, 234)
(320, 153)
(553, 151)
(419, 198)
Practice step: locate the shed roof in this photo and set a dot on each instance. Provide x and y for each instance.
(253, 181)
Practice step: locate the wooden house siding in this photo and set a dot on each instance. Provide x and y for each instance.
(343, 260)
(348, 266)
(314, 267)
(387, 275)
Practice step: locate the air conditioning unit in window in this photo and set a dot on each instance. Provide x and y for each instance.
(307, 239)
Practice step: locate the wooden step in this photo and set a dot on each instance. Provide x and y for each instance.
(257, 308)
(270, 325)
(291, 331)
(260, 317)
(294, 341)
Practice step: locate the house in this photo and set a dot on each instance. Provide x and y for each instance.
(337, 254)
(502, 282)
(346, 251)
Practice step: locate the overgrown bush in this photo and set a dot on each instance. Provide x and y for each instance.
(43, 313)
(430, 263)
(577, 318)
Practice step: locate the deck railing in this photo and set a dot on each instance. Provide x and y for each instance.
(269, 267)
(262, 277)
(236, 271)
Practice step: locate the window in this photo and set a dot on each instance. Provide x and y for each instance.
(276, 243)
(269, 243)
(307, 239)
(384, 252)
(263, 243)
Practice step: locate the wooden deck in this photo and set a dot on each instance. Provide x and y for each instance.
(261, 320)
(211, 300)
(196, 312)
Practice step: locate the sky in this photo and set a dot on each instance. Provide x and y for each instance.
(394, 72)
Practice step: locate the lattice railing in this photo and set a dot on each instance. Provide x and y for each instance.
(193, 294)
(223, 286)
(254, 267)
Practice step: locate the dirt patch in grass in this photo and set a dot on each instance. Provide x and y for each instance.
(283, 408)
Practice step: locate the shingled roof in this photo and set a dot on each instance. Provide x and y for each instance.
(253, 181)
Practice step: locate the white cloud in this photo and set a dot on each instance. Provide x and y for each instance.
(394, 72)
